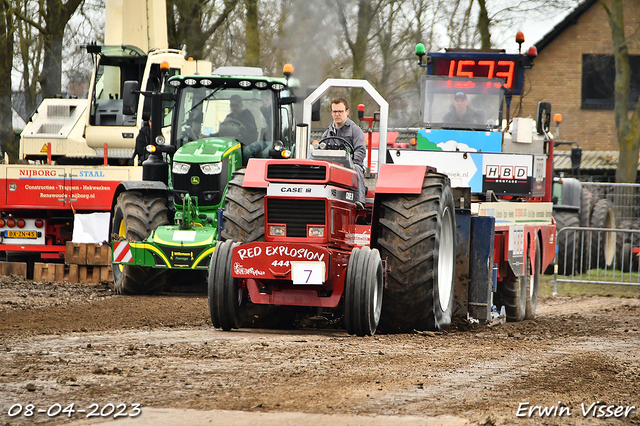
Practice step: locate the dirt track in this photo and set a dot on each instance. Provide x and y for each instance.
(69, 343)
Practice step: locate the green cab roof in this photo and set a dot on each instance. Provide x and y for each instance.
(208, 150)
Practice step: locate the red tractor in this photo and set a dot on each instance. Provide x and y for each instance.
(293, 236)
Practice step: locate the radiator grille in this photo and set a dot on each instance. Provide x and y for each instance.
(296, 172)
(49, 129)
(296, 214)
(208, 188)
(59, 111)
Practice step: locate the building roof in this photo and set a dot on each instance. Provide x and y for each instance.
(591, 160)
(571, 19)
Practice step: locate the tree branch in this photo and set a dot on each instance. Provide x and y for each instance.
(229, 6)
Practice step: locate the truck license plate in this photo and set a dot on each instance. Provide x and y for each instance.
(21, 234)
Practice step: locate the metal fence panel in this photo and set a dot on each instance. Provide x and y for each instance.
(597, 256)
(625, 197)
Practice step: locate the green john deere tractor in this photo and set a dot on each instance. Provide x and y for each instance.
(165, 228)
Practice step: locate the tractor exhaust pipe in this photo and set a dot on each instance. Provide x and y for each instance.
(302, 141)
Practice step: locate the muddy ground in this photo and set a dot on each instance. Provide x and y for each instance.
(73, 343)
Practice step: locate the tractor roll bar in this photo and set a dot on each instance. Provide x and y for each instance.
(350, 83)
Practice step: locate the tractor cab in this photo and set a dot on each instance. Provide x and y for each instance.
(216, 111)
(448, 103)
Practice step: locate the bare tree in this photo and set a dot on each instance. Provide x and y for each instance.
(627, 125)
(192, 23)
(483, 25)
(357, 26)
(55, 15)
(6, 64)
(252, 34)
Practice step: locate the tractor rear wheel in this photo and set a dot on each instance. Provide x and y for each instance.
(533, 282)
(569, 243)
(227, 301)
(363, 292)
(602, 244)
(586, 204)
(243, 216)
(416, 234)
(136, 214)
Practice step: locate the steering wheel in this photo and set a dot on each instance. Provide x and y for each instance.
(188, 134)
(230, 127)
(337, 142)
(233, 121)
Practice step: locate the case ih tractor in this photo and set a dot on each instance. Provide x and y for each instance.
(464, 240)
(168, 221)
(298, 239)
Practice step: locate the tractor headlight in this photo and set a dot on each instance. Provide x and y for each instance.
(277, 230)
(211, 168)
(278, 146)
(180, 168)
(316, 231)
(160, 140)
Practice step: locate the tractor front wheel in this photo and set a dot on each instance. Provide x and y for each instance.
(135, 216)
(363, 292)
(227, 301)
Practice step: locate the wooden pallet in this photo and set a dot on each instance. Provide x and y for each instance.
(87, 274)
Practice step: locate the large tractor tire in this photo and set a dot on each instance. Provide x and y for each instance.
(625, 260)
(363, 292)
(602, 244)
(227, 301)
(136, 214)
(243, 216)
(243, 222)
(569, 243)
(416, 234)
(586, 206)
(533, 282)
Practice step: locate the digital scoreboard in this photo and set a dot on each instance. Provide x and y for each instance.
(509, 67)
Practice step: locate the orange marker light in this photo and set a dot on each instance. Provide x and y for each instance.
(164, 66)
(557, 117)
(287, 70)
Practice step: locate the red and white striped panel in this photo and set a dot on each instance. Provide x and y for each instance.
(122, 252)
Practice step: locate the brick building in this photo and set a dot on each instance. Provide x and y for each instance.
(574, 72)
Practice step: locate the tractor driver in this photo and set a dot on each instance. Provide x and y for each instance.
(343, 127)
(460, 111)
(244, 118)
